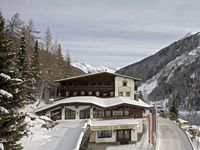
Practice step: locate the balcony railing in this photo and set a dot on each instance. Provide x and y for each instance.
(92, 87)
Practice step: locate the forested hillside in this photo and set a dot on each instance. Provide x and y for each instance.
(29, 65)
(43, 53)
(172, 73)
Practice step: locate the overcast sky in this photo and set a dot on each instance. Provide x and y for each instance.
(112, 33)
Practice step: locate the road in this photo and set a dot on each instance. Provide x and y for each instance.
(171, 137)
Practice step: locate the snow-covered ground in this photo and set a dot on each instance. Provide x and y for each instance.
(189, 129)
(87, 68)
(63, 136)
(193, 117)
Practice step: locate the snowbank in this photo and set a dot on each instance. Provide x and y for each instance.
(38, 129)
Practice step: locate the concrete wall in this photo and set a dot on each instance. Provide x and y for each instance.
(120, 88)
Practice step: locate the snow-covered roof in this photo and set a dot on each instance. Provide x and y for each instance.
(86, 75)
(114, 122)
(102, 102)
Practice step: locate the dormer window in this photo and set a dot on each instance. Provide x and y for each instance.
(124, 83)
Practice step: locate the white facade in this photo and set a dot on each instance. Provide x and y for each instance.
(134, 126)
(94, 137)
(124, 89)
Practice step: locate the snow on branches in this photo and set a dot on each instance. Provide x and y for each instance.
(4, 93)
(3, 110)
(6, 77)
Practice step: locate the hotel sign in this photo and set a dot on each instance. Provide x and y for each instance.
(113, 127)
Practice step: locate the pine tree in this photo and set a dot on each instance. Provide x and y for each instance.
(12, 126)
(174, 110)
(35, 69)
(35, 62)
(25, 73)
(60, 63)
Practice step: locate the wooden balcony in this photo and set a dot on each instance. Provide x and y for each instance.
(88, 88)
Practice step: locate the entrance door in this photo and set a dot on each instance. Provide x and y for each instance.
(123, 136)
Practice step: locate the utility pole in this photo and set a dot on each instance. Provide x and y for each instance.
(197, 139)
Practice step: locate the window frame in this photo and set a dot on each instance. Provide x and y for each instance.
(128, 94)
(121, 94)
(104, 134)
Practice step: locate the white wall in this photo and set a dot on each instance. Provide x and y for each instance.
(134, 135)
(120, 88)
(140, 125)
(94, 137)
(145, 114)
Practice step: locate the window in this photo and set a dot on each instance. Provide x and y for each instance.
(136, 97)
(128, 94)
(97, 93)
(136, 88)
(105, 134)
(67, 94)
(82, 93)
(124, 83)
(104, 93)
(56, 114)
(90, 93)
(107, 113)
(70, 114)
(126, 112)
(117, 112)
(74, 93)
(111, 93)
(121, 94)
(97, 113)
(84, 114)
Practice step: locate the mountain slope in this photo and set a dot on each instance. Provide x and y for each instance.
(87, 68)
(172, 73)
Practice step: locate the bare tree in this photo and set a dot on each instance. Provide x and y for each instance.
(48, 39)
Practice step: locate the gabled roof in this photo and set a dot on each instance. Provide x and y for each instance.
(93, 74)
(101, 102)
